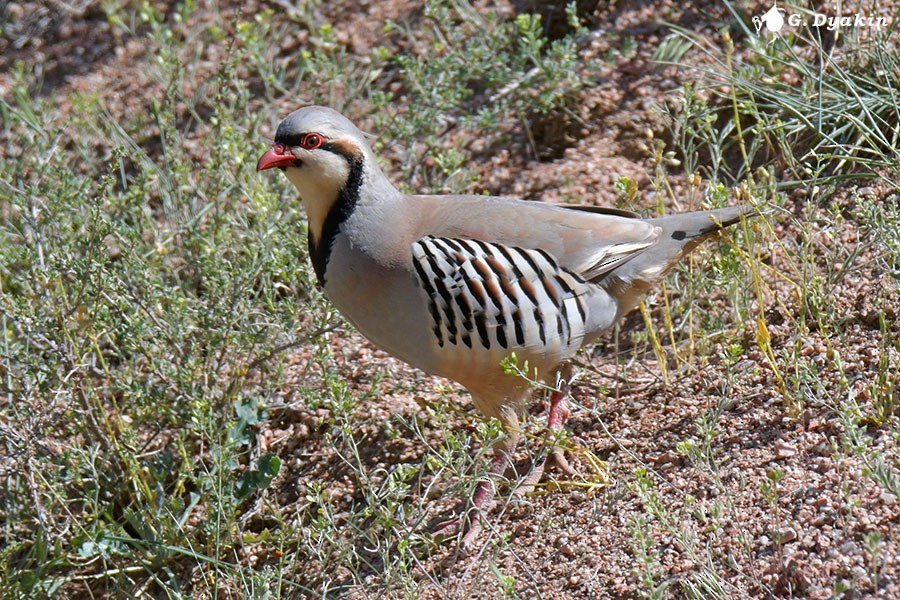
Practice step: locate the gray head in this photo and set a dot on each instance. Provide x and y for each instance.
(305, 135)
(326, 158)
(332, 165)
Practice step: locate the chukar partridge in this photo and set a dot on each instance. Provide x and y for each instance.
(455, 284)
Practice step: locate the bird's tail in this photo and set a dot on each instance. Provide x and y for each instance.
(681, 233)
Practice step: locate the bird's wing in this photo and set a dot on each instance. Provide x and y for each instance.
(582, 241)
(497, 297)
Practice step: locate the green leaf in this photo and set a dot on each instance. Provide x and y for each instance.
(267, 468)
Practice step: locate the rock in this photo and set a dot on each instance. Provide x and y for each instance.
(786, 535)
(785, 450)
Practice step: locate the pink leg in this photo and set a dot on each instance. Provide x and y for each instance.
(484, 494)
(483, 497)
(485, 490)
(556, 419)
(559, 414)
(559, 409)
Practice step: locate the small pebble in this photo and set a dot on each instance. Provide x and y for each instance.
(784, 450)
(786, 535)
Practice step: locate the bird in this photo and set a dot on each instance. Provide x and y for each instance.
(455, 284)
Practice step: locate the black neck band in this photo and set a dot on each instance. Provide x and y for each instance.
(348, 197)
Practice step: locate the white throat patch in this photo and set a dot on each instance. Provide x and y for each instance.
(319, 181)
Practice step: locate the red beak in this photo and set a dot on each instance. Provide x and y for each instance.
(276, 156)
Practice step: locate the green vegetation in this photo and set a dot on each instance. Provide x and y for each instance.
(791, 101)
(147, 302)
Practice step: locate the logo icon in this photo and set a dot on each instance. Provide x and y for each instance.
(773, 20)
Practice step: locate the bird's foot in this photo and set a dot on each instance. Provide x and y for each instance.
(446, 529)
(482, 500)
(556, 419)
(469, 524)
(530, 482)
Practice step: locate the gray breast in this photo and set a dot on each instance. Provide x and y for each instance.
(382, 302)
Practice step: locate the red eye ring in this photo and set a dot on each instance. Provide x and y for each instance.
(311, 141)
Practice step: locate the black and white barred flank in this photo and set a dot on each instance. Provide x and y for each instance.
(499, 297)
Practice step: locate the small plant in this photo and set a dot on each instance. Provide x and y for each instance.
(881, 220)
(855, 442)
(699, 450)
(824, 116)
(649, 569)
(772, 494)
(873, 542)
(472, 71)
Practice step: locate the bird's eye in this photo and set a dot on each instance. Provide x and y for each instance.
(311, 141)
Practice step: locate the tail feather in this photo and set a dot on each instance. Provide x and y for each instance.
(697, 224)
(681, 233)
